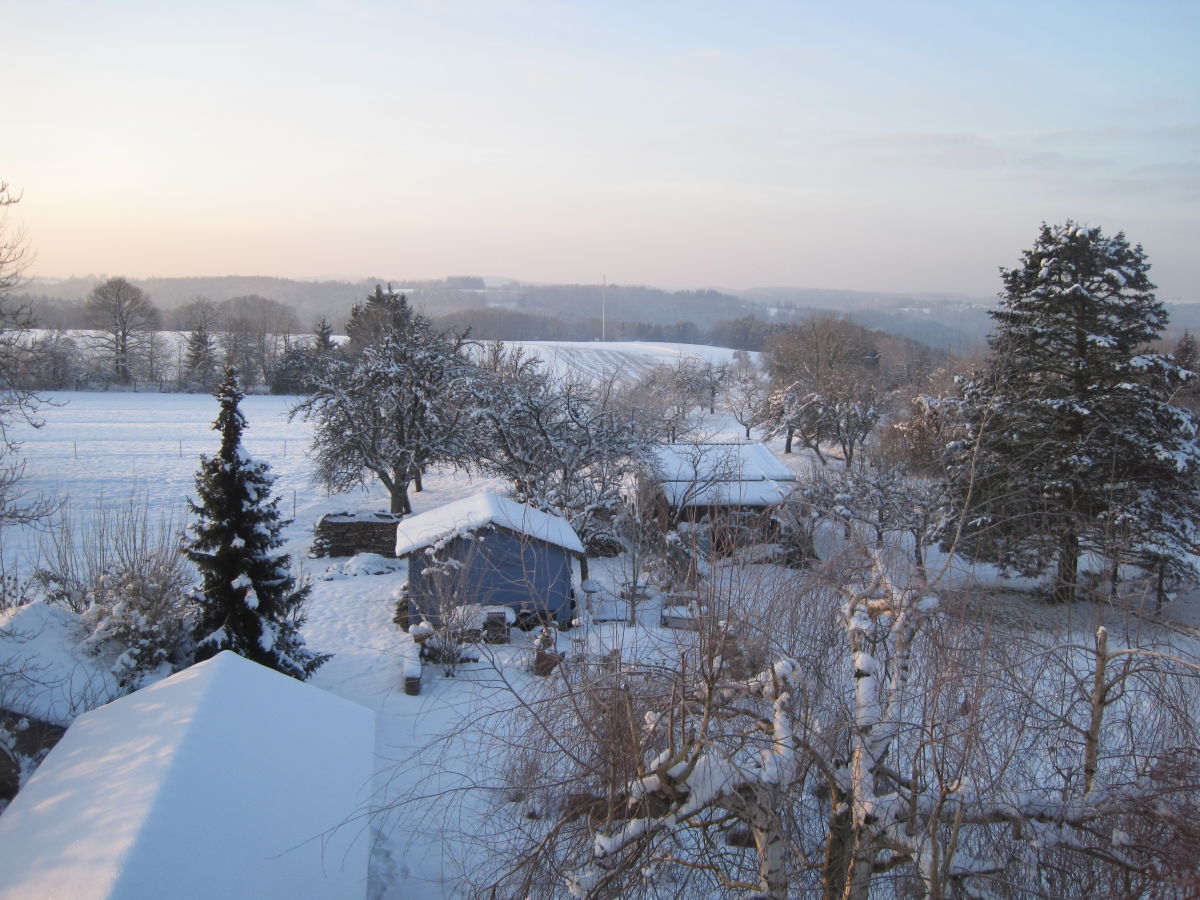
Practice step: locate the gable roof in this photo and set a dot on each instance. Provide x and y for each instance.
(478, 511)
(714, 474)
(226, 779)
(701, 461)
(711, 474)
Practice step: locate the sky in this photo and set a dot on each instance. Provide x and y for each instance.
(874, 146)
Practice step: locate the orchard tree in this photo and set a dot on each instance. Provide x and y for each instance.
(745, 391)
(402, 401)
(248, 600)
(1070, 440)
(127, 320)
(561, 442)
(827, 382)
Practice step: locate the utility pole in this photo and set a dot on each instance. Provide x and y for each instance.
(604, 310)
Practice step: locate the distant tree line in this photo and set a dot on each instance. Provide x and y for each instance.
(118, 337)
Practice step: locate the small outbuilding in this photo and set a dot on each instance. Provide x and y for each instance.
(489, 550)
(728, 491)
(227, 779)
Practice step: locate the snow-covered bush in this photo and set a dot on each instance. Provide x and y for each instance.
(143, 616)
(121, 569)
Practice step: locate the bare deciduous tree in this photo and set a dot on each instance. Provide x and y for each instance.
(745, 392)
(127, 320)
(17, 402)
(401, 404)
(896, 743)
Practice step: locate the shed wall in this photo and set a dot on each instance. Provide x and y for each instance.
(495, 567)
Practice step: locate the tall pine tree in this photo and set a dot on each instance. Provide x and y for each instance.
(1072, 443)
(249, 601)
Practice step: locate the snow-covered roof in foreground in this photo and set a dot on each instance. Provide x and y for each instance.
(47, 675)
(478, 511)
(225, 780)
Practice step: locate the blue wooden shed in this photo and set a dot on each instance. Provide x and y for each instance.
(491, 551)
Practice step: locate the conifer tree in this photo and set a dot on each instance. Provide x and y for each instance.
(323, 343)
(200, 361)
(1072, 443)
(1188, 358)
(249, 601)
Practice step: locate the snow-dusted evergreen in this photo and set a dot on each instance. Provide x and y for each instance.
(398, 402)
(200, 361)
(248, 600)
(1071, 442)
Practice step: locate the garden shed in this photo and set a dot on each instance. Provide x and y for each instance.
(490, 550)
(227, 779)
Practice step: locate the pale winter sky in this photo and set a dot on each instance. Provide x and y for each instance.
(870, 145)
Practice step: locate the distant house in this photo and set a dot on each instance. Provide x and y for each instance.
(227, 779)
(696, 481)
(492, 551)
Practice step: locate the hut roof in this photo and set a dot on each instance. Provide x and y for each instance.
(713, 474)
(478, 511)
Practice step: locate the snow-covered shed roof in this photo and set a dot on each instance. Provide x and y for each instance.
(478, 511)
(46, 673)
(749, 461)
(227, 779)
(712, 474)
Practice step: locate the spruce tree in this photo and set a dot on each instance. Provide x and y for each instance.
(1072, 443)
(200, 362)
(248, 600)
(1188, 358)
(323, 343)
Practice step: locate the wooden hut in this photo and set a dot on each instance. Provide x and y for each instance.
(731, 488)
(488, 550)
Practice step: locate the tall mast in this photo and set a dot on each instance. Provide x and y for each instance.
(604, 310)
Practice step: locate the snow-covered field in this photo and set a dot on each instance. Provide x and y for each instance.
(99, 448)
(626, 358)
